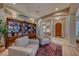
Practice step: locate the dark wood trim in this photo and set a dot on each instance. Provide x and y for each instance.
(9, 19)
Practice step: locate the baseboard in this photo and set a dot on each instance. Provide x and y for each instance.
(68, 44)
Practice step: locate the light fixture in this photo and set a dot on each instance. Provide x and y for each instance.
(57, 18)
(44, 27)
(31, 20)
(39, 22)
(14, 3)
(56, 8)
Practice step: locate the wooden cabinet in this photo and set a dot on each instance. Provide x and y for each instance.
(2, 49)
(10, 41)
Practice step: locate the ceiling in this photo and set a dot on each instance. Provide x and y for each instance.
(38, 9)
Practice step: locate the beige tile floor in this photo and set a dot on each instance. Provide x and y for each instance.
(70, 51)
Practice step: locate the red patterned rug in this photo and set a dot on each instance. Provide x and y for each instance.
(50, 50)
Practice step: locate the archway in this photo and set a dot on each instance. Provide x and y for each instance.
(58, 30)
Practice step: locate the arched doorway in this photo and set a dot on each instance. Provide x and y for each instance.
(58, 30)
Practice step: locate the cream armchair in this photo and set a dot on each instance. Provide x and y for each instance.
(24, 47)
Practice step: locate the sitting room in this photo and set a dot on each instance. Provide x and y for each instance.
(30, 29)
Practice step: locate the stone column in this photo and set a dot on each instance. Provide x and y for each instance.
(52, 28)
(67, 29)
(39, 27)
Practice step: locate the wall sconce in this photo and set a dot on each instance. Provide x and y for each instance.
(57, 18)
(14, 3)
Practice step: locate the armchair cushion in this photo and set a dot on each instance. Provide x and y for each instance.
(19, 51)
(33, 41)
(29, 50)
(24, 47)
(22, 41)
(34, 48)
(44, 41)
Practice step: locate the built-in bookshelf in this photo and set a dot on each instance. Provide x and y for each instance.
(17, 28)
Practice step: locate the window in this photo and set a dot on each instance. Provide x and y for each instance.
(77, 26)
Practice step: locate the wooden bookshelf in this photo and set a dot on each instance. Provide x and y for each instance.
(17, 29)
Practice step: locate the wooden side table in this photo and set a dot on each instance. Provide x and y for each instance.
(9, 42)
(2, 49)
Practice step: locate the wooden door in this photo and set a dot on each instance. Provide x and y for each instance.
(58, 30)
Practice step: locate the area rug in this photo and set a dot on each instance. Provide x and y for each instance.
(50, 50)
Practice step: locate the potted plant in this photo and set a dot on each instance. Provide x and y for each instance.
(4, 30)
(3, 34)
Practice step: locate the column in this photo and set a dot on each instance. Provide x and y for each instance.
(67, 29)
(52, 28)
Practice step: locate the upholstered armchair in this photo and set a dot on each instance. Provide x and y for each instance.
(24, 47)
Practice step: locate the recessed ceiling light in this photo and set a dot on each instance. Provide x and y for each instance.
(56, 9)
(14, 3)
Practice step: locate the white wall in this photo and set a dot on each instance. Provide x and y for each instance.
(1, 13)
